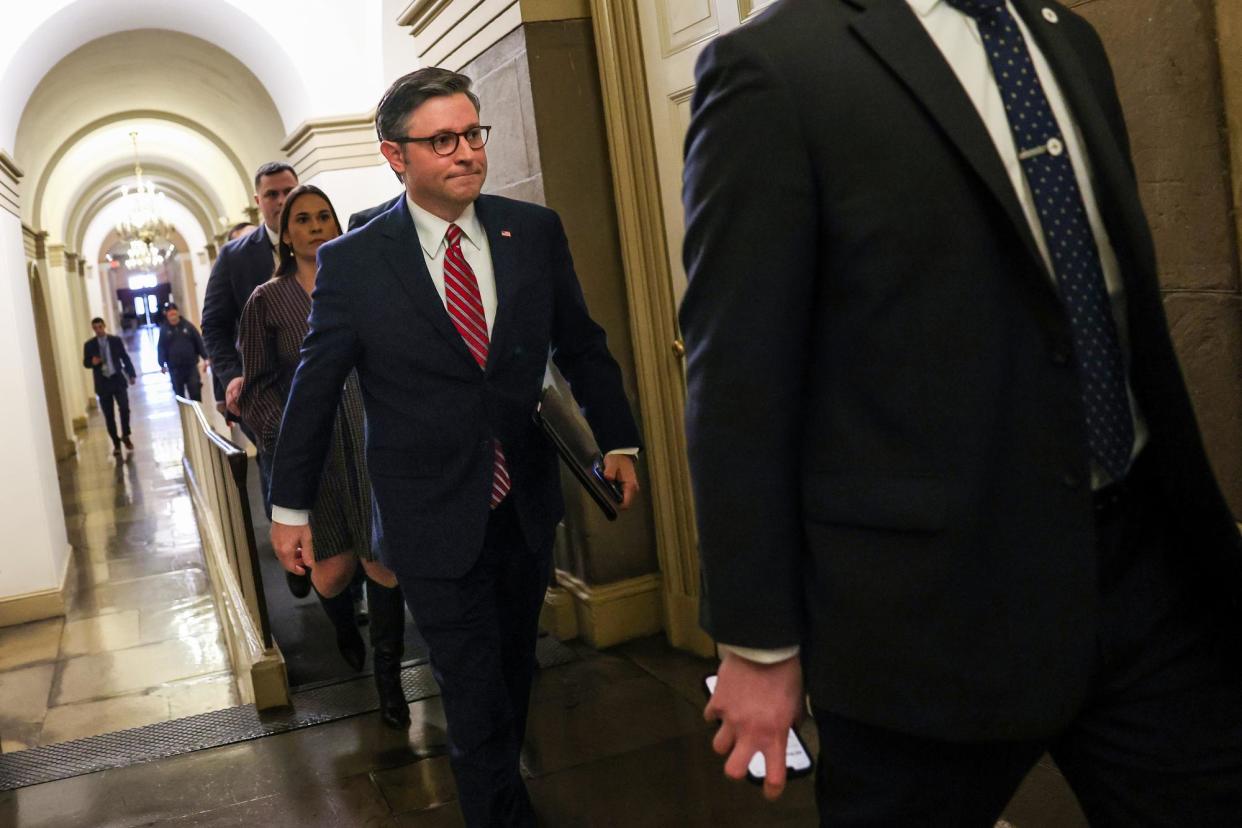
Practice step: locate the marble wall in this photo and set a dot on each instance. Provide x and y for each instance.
(1168, 67)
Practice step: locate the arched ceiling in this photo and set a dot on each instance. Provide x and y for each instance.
(100, 232)
(43, 33)
(102, 192)
(196, 108)
(185, 156)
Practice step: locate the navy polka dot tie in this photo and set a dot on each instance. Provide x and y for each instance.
(1071, 244)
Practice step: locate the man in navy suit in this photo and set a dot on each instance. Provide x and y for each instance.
(361, 217)
(105, 355)
(448, 306)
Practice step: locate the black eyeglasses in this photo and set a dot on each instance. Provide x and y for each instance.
(445, 143)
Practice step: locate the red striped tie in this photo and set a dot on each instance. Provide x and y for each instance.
(465, 308)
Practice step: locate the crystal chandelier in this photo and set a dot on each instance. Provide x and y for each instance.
(143, 256)
(143, 208)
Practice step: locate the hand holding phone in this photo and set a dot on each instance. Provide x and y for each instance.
(797, 758)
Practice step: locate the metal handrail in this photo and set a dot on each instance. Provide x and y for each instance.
(239, 533)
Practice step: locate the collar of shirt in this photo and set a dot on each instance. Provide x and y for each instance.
(273, 237)
(924, 9)
(431, 228)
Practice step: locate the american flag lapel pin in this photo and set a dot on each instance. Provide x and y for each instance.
(506, 234)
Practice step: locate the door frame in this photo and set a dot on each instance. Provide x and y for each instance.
(653, 315)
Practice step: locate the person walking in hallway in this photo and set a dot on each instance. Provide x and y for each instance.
(974, 518)
(179, 349)
(242, 266)
(448, 306)
(113, 373)
(273, 325)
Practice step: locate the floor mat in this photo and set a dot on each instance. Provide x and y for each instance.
(325, 703)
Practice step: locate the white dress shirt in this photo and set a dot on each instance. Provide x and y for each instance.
(432, 231)
(273, 239)
(957, 37)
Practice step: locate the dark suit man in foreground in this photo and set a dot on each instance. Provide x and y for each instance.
(944, 461)
(111, 367)
(448, 306)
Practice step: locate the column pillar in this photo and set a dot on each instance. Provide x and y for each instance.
(1169, 65)
(35, 555)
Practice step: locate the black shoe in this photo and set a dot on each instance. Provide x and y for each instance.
(340, 611)
(116, 447)
(299, 585)
(127, 442)
(388, 645)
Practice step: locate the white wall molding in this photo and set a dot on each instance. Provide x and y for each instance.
(341, 142)
(10, 175)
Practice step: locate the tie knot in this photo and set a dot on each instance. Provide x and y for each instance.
(977, 9)
(453, 235)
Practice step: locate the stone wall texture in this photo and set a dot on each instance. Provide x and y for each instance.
(540, 92)
(1167, 60)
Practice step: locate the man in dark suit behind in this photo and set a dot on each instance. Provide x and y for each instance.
(945, 465)
(241, 267)
(467, 491)
(361, 217)
(111, 367)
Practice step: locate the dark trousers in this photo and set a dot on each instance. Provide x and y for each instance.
(119, 395)
(186, 382)
(1158, 742)
(481, 630)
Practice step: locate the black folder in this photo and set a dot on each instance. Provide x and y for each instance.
(557, 414)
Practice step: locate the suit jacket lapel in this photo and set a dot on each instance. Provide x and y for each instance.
(892, 31)
(505, 271)
(408, 268)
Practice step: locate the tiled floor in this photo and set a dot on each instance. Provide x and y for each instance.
(140, 641)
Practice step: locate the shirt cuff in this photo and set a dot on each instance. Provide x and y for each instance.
(632, 452)
(748, 653)
(290, 517)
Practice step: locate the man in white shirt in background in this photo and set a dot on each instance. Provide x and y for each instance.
(958, 495)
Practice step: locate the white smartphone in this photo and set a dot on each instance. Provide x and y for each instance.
(797, 757)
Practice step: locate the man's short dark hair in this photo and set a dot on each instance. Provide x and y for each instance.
(229, 233)
(98, 321)
(409, 92)
(273, 168)
(172, 306)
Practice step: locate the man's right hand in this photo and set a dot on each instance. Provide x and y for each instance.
(232, 393)
(96, 360)
(756, 704)
(293, 547)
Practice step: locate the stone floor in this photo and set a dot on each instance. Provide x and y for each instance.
(616, 738)
(140, 641)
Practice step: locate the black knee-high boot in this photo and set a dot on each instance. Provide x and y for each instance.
(340, 611)
(386, 607)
